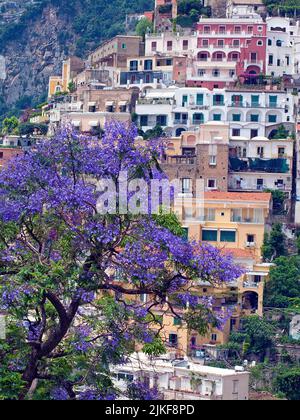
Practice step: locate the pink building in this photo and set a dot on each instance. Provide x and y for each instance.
(228, 49)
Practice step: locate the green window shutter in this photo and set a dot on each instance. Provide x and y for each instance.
(228, 236)
(210, 235)
(200, 99)
(236, 117)
(217, 117)
(254, 117)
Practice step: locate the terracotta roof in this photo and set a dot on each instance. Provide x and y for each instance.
(237, 196)
(239, 253)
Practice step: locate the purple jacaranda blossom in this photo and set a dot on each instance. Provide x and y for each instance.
(81, 341)
(60, 394)
(94, 395)
(140, 391)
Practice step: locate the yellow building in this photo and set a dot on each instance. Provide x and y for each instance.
(234, 223)
(70, 68)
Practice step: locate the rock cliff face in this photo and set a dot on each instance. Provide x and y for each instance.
(38, 54)
(36, 39)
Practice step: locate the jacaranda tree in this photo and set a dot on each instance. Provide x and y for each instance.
(72, 277)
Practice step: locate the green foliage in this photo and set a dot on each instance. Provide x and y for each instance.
(274, 243)
(284, 283)
(155, 349)
(288, 383)
(29, 128)
(260, 334)
(278, 198)
(154, 133)
(171, 222)
(283, 8)
(10, 125)
(143, 27)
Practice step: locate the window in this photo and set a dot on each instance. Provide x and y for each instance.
(220, 43)
(281, 152)
(134, 65)
(186, 185)
(144, 120)
(231, 73)
(218, 100)
(216, 73)
(260, 184)
(154, 46)
(200, 99)
(269, 42)
(205, 43)
(185, 44)
(209, 235)
(273, 101)
(253, 57)
(250, 239)
(206, 29)
(279, 43)
(148, 65)
(184, 100)
(234, 57)
(260, 43)
(272, 118)
(217, 117)
(254, 117)
(235, 387)
(173, 339)
(214, 337)
(237, 29)
(177, 322)
(222, 29)
(236, 117)
(254, 100)
(169, 45)
(236, 132)
(250, 29)
(228, 236)
(198, 118)
(201, 72)
(125, 377)
(185, 233)
(271, 60)
(124, 46)
(211, 184)
(260, 152)
(161, 120)
(213, 160)
(253, 133)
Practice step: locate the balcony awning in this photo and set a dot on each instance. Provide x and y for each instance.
(76, 123)
(123, 103)
(257, 273)
(94, 123)
(109, 103)
(92, 104)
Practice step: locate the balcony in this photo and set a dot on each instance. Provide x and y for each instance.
(180, 160)
(258, 165)
(251, 220)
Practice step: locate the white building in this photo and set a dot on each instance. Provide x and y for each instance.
(184, 380)
(241, 9)
(260, 163)
(249, 112)
(283, 46)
